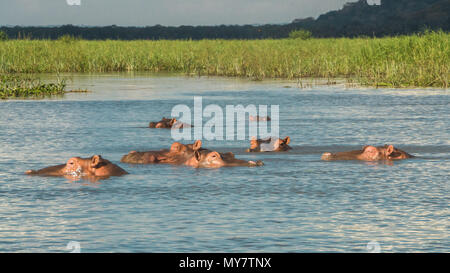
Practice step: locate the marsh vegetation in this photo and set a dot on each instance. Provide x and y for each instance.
(420, 60)
(23, 86)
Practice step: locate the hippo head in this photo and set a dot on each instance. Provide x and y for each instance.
(94, 166)
(164, 123)
(77, 166)
(269, 145)
(180, 153)
(212, 159)
(168, 123)
(389, 152)
(135, 157)
(370, 153)
(177, 154)
(98, 166)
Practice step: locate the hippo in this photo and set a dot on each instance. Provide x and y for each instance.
(370, 153)
(270, 144)
(187, 154)
(164, 123)
(177, 154)
(167, 123)
(259, 118)
(212, 159)
(95, 166)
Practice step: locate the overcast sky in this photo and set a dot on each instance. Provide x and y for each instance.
(163, 12)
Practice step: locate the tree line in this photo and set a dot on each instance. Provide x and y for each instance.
(392, 17)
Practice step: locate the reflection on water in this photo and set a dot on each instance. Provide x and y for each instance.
(296, 202)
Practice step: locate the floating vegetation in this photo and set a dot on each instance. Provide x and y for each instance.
(420, 60)
(25, 86)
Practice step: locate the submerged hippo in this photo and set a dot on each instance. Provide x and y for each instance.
(212, 159)
(370, 153)
(187, 154)
(95, 166)
(177, 154)
(168, 123)
(259, 118)
(270, 144)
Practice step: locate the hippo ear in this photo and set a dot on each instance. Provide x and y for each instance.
(287, 140)
(197, 155)
(172, 121)
(95, 161)
(389, 149)
(197, 145)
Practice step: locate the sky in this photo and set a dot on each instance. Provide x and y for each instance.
(163, 12)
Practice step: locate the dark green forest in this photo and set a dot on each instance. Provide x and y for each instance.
(392, 17)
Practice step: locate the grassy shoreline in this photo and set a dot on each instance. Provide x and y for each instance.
(404, 61)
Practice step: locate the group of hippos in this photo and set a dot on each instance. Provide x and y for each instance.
(195, 156)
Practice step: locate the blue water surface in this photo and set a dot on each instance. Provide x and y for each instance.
(295, 203)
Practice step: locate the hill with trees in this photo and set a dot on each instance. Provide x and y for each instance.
(392, 17)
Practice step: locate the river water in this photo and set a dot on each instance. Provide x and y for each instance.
(295, 203)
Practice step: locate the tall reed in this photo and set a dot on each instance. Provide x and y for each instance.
(418, 60)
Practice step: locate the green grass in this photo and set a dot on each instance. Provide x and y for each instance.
(405, 61)
(19, 86)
